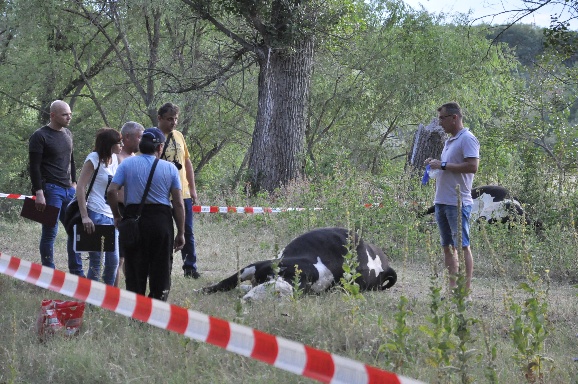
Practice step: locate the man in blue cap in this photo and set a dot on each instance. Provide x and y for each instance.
(152, 258)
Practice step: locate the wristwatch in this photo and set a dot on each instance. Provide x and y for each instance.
(444, 163)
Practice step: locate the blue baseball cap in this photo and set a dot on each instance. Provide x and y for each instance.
(153, 134)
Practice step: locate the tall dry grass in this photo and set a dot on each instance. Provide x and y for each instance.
(113, 349)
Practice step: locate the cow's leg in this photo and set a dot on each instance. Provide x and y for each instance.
(256, 272)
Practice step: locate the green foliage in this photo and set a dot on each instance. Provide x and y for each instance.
(400, 347)
(463, 329)
(450, 332)
(370, 87)
(526, 40)
(371, 93)
(491, 350)
(350, 271)
(441, 342)
(530, 330)
(297, 289)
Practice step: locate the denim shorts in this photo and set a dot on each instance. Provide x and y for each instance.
(447, 219)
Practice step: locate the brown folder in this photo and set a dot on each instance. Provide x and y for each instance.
(48, 217)
(102, 239)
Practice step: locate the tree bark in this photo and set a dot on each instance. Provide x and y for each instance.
(276, 152)
(427, 142)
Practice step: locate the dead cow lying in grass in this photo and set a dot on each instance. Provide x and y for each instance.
(318, 258)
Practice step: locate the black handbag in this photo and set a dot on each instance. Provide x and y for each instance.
(72, 212)
(128, 231)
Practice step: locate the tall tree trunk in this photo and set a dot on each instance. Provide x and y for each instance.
(427, 142)
(276, 152)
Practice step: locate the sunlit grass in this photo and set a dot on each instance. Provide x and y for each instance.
(113, 349)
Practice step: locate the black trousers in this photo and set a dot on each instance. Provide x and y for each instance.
(153, 258)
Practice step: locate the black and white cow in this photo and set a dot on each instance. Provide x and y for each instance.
(319, 256)
(494, 204)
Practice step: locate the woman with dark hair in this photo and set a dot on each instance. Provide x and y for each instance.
(103, 160)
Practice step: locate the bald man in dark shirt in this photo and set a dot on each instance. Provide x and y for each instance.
(53, 177)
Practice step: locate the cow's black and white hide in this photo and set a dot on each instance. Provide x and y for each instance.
(494, 204)
(319, 255)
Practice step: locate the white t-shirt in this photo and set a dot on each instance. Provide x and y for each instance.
(96, 199)
(456, 149)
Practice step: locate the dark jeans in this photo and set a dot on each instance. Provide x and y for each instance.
(188, 252)
(59, 197)
(153, 258)
(110, 258)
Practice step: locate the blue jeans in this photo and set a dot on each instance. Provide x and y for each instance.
(110, 258)
(447, 219)
(188, 252)
(59, 197)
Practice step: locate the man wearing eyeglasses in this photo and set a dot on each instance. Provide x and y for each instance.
(459, 162)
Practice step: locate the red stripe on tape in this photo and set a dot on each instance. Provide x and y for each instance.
(34, 274)
(219, 332)
(266, 348)
(319, 365)
(214, 209)
(179, 320)
(196, 208)
(13, 266)
(111, 298)
(83, 289)
(143, 308)
(377, 376)
(57, 281)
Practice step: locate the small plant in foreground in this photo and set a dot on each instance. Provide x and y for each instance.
(297, 290)
(399, 349)
(463, 325)
(350, 273)
(529, 330)
(491, 353)
(441, 344)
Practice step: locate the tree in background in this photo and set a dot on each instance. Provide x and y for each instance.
(281, 36)
(372, 91)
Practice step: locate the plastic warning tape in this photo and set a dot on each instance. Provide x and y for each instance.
(203, 208)
(276, 351)
(15, 196)
(215, 209)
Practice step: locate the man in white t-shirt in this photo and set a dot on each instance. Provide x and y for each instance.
(459, 162)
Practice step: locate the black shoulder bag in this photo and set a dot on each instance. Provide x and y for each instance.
(128, 231)
(72, 212)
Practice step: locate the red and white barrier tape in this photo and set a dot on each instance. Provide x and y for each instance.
(15, 196)
(205, 208)
(277, 351)
(217, 209)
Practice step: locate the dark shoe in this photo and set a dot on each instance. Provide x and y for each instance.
(191, 273)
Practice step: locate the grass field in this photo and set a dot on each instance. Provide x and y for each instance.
(520, 327)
